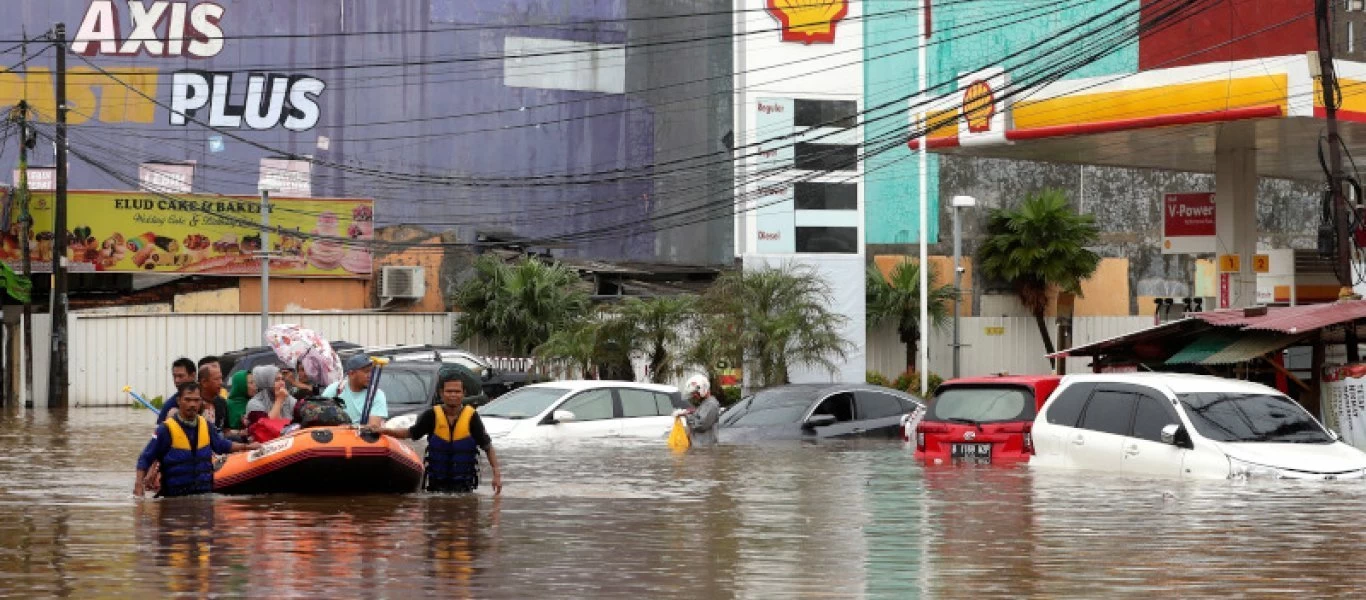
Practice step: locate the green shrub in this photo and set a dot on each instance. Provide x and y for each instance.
(909, 382)
(730, 394)
(876, 378)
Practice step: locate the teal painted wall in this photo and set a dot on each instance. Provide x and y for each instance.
(963, 40)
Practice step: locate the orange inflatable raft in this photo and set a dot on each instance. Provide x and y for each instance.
(321, 460)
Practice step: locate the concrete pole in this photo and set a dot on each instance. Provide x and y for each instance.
(1235, 201)
(265, 262)
(957, 283)
(57, 368)
(923, 364)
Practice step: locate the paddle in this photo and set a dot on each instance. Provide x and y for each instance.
(372, 389)
(128, 389)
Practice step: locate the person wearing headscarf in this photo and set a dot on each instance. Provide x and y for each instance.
(239, 393)
(272, 400)
(707, 410)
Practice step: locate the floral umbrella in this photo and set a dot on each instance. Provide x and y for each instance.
(295, 345)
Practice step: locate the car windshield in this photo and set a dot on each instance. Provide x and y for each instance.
(779, 406)
(982, 404)
(523, 403)
(408, 391)
(1230, 417)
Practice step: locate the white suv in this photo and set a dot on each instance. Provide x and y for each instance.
(1186, 426)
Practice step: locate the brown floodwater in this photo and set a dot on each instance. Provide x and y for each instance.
(838, 520)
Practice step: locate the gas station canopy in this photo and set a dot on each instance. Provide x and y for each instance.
(1168, 119)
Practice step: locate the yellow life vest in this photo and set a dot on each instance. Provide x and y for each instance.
(180, 441)
(462, 425)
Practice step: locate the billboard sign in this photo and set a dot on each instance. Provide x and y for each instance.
(138, 232)
(166, 178)
(1188, 223)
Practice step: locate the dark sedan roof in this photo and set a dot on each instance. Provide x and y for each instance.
(797, 393)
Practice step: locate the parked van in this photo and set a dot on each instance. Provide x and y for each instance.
(982, 419)
(1186, 426)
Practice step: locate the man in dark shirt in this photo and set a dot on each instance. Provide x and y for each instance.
(215, 399)
(182, 371)
(454, 435)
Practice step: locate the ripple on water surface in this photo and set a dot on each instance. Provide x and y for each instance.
(857, 519)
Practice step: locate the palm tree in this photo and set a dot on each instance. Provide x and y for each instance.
(518, 306)
(712, 344)
(576, 345)
(898, 300)
(654, 327)
(779, 317)
(1041, 243)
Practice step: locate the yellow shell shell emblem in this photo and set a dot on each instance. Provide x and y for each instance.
(979, 106)
(808, 21)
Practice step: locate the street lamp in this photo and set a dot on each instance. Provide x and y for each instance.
(959, 203)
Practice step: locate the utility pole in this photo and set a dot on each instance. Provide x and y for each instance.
(265, 262)
(25, 229)
(57, 368)
(1330, 92)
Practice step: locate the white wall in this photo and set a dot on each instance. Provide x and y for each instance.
(1018, 349)
(109, 352)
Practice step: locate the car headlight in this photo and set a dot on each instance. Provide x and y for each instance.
(1239, 469)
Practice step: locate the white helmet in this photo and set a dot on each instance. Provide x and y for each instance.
(697, 384)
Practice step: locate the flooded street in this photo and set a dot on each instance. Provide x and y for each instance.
(855, 520)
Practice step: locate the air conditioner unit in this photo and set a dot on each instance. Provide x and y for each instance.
(402, 283)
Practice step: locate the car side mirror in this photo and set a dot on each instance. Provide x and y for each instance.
(1175, 435)
(562, 416)
(819, 421)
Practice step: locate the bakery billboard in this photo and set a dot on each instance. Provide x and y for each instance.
(135, 232)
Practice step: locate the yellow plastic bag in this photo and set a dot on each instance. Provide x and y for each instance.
(678, 437)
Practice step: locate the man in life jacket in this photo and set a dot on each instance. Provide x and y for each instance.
(185, 445)
(455, 434)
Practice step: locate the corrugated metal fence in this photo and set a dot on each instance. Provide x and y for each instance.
(109, 352)
(995, 344)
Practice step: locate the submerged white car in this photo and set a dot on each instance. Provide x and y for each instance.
(583, 409)
(1186, 426)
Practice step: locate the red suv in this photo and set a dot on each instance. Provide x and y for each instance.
(982, 419)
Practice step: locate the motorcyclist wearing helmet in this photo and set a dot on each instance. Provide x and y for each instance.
(702, 418)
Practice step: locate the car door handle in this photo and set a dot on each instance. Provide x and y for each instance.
(1079, 441)
(1131, 450)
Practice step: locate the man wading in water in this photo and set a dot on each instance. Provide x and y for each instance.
(184, 446)
(455, 434)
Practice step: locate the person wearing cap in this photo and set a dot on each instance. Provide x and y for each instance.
(351, 391)
(706, 411)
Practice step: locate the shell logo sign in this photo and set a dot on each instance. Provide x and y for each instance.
(985, 115)
(808, 21)
(979, 106)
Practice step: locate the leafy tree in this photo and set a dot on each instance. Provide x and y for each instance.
(518, 306)
(1039, 244)
(576, 345)
(654, 328)
(778, 317)
(898, 300)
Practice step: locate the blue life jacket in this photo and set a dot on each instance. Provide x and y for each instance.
(187, 467)
(452, 455)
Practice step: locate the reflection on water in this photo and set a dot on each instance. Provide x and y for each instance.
(856, 520)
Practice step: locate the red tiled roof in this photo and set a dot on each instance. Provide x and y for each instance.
(1288, 319)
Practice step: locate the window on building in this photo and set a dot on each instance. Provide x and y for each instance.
(826, 113)
(827, 240)
(826, 196)
(826, 157)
